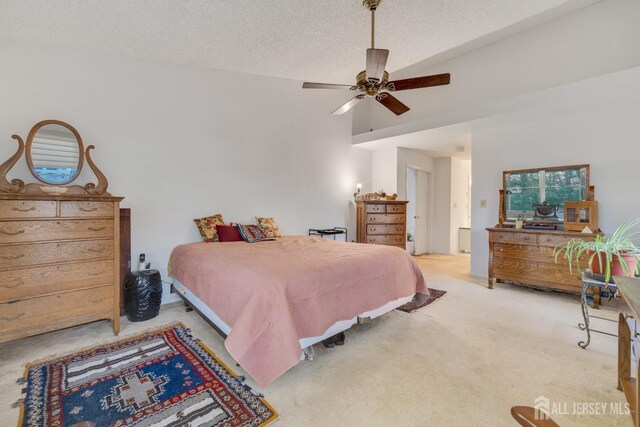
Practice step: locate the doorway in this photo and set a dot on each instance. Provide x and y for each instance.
(418, 210)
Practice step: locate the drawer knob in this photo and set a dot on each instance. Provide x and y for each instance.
(96, 228)
(527, 238)
(12, 258)
(373, 229)
(99, 250)
(12, 318)
(88, 210)
(96, 301)
(32, 208)
(96, 273)
(501, 250)
(499, 265)
(9, 233)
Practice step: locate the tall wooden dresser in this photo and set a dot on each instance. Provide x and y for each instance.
(382, 222)
(59, 262)
(59, 242)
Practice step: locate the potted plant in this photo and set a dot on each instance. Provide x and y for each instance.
(410, 244)
(615, 255)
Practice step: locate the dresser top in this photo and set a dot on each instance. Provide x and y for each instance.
(536, 231)
(61, 197)
(629, 288)
(391, 202)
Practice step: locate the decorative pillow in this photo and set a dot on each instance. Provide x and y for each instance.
(269, 226)
(228, 233)
(207, 227)
(252, 233)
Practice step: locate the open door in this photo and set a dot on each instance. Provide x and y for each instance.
(417, 210)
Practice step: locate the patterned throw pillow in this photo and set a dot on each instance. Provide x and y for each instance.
(269, 226)
(207, 227)
(252, 233)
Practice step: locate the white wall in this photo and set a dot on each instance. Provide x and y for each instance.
(180, 143)
(460, 172)
(596, 40)
(594, 122)
(441, 230)
(384, 173)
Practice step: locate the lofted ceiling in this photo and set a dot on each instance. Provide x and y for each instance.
(314, 40)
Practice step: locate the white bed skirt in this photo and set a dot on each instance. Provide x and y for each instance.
(305, 343)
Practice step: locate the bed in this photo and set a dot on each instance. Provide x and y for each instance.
(273, 299)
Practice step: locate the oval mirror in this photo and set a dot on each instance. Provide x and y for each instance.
(54, 152)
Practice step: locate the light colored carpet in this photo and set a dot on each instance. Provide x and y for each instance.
(463, 361)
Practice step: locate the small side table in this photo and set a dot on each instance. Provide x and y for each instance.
(587, 283)
(329, 232)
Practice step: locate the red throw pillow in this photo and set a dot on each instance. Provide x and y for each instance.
(228, 233)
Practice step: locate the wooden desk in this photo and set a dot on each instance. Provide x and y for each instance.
(629, 307)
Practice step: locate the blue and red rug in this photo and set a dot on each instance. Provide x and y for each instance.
(161, 378)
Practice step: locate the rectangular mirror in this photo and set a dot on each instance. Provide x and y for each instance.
(539, 194)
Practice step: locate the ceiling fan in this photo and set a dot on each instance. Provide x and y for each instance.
(374, 81)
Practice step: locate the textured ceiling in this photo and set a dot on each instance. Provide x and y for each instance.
(318, 40)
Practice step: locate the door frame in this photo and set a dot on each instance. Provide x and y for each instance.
(429, 200)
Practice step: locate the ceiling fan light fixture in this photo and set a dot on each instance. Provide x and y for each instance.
(374, 80)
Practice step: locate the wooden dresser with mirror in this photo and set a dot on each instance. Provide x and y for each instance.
(537, 197)
(59, 243)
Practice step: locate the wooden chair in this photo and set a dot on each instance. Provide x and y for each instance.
(526, 417)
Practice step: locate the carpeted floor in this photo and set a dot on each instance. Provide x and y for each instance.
(463, 361)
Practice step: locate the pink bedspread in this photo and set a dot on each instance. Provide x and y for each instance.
(274, 293)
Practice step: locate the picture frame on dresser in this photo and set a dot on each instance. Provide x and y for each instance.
(59, 241)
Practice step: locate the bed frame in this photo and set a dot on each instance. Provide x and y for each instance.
(306, 344)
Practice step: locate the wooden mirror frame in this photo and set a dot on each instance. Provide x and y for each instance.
(18, 186)
(29, 145)
(502, 215)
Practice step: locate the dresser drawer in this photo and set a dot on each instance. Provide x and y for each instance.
(386, 240)
(514, 237)
(553, 240)
(35, 254)
(385, 219)
(36, 315)
(385, 229)
(392, 208)
(376, 208)
(80, 209)
(27, 209)
(60, 229)
(35, 281)
(534, 272)
(523, 252)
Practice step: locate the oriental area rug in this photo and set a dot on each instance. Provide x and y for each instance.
(421, 300)
(163, 377)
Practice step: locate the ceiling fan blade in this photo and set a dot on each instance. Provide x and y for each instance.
(349, 105)
(307, 85)
(419, 82)
(392, 103)
(376, 62)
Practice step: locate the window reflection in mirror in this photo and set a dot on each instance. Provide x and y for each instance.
(55, 153)
(552, 186)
